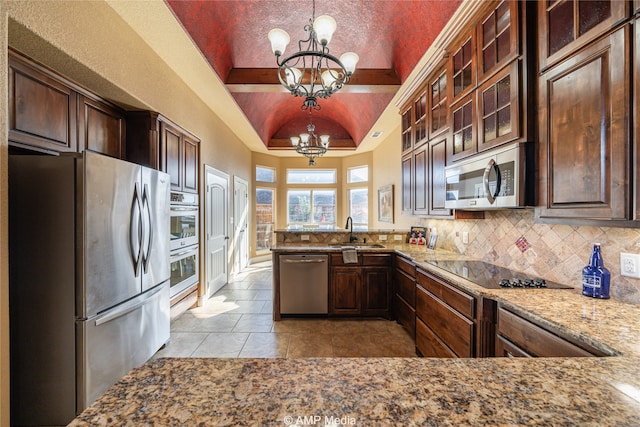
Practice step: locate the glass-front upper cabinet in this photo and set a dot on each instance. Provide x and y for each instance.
(498, 38)
(439, 107)
(566, 25)
(407, 143)
(420, 123)
(463, 69)
(499, 108)
(463, 129)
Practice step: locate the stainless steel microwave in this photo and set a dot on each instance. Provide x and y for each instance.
(499, 179)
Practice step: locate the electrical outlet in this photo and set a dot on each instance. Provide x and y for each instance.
(465, 237)
(397, 237)
(382, 237)
(304, 237)
(630, 265)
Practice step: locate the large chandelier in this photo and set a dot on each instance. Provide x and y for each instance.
(309, 144)
(312, 72)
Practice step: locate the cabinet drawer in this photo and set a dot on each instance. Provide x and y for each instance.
(406, 287)
(336, 260)
(428, 344)
(457, 299)
(405, 314)
(535, 340)
(406, 266)
(505, 348)
(450, 326)
(376, 259)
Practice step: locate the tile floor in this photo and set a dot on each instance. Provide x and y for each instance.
(237, 322)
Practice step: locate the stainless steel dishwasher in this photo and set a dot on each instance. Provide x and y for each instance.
(304, 284)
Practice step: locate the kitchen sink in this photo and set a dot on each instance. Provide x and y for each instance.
(357, 245)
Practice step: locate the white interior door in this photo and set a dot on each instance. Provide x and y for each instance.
(217, 230)
(241, 223)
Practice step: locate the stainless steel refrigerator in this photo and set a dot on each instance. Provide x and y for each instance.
(89, 279)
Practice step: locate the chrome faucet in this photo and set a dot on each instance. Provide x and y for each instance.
(349, 226)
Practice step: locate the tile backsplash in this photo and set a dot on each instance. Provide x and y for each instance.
(513, 239)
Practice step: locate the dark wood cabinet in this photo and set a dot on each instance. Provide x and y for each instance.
(157, 142)
(451, 322)
(42, 109)
(101, 127)
(407, 130)
(498, 38)
(362, 288)
(463, 68)
(568, 25)
(464, 134)
(407, 184)
(584, 151)
(439, 103)
(420, 181)
(51, 114)
(346, 288)
(499, 108)
(404, 294)
(519, 337)
(420, 119)
(437, 180)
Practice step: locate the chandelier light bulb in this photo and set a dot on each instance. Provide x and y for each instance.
(304, 137)
(324, 140)
(293, 76)
(294, 141)
(279, 40)
(324, 27)
(349, 60)
(328, 78)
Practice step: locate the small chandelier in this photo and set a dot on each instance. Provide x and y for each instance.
(309, 144)
(313, 72)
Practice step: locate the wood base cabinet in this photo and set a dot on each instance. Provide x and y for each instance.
(519, 337)
(362, 288)
(404, 294)
(451, 322)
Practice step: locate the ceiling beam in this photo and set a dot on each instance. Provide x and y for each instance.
(367, 80)
(334, 144)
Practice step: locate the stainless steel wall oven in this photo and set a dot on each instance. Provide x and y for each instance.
(184, 246)
(184, 269)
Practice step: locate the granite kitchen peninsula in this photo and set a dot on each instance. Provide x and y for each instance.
(559, 391)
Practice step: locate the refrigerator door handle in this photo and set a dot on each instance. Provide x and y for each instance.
(127, 307)
(147, 228)
(135, 231)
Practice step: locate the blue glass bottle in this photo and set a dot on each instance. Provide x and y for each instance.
(596, 278)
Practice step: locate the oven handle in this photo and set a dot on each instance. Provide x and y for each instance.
(184, 208)
(485, 181)
(184, 252)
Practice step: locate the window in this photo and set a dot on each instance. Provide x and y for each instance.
(359, 207)
(315, 208)
(358, 174)
(264, 174)
(265, 218)
(305, 176)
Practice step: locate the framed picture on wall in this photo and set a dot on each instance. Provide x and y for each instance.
(385, 203)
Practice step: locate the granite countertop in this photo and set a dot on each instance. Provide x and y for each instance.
(412, 391)
(373, 392)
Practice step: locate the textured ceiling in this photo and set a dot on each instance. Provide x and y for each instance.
(389, 36)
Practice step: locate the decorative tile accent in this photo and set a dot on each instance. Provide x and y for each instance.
(522, 244)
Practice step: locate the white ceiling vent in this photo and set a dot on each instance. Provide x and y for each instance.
(376, 134)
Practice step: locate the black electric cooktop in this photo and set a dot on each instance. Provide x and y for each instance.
(493, 277)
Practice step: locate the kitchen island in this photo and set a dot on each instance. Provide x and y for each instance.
(596, 391)
(373, 392)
